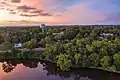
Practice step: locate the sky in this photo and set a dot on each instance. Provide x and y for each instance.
(35, 12)
(21, 72)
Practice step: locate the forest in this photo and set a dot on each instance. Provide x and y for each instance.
(68, 47)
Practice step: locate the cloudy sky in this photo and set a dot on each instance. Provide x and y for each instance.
(33, 12)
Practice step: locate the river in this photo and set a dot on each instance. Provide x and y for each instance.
(39, 70)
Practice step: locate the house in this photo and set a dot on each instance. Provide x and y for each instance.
(18, 45)
(106, 34)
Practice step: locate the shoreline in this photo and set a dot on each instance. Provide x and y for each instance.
(72, 67)
(78, 67)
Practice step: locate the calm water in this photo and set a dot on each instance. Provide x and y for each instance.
(38, 70)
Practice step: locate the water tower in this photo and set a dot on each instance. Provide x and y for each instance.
(43, 26)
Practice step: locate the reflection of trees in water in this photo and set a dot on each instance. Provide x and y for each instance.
(30, 63)
(51, 69)
(79, 74)
(8, 66)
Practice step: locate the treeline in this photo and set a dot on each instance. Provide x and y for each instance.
(97, 47)
(29, 37)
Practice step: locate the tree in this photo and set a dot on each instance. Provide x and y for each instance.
(94, 59)
(42, 42)
(70, 49)
(85, 61)
(48, 39)
(59, 37)
(30, 44)
(79, 42)
(69, 34)
(6, 46)
(50, 52)
(1, 39)
(116, 59)
(64, 62)
(59, 48)
(89, 48)
(96, 43)
(78, 58)
(106, 62)
(103, 52)
(78, 36)
(117, 41)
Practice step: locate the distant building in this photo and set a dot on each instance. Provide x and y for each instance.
(106, 34)
(102, 35)
(18, 45)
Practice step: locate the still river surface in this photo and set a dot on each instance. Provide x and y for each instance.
(39, 70)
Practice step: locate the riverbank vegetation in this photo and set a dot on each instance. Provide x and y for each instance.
(94, 47)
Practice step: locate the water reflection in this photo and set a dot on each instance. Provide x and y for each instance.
(39, 70)
(7, 67)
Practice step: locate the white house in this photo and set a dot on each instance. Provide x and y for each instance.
(106, 34)
(18, 45)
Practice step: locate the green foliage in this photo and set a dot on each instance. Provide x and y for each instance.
(52, 50)
(85, 61)
(79, 42)
(78, 36)
(64, 62)
(103, 52)
(106, 62)
(6, 46)
(42, 42)
(96, 43)
(117, 41)
(94, 60)
(68, 47)
(89, 48)
(116, 59)
(30, 44)
(78, 58)
(82, 46)
(59, 37)
(48, 39)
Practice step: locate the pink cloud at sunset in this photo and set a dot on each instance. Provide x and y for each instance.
(80, 14)
(58, 12)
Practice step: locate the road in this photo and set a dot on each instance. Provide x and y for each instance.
(35, 49)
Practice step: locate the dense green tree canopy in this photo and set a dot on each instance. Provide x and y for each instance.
(88, 46)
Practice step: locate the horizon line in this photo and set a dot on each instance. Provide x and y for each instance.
(61, 25)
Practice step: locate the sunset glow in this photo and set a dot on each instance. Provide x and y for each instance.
(59, 11)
